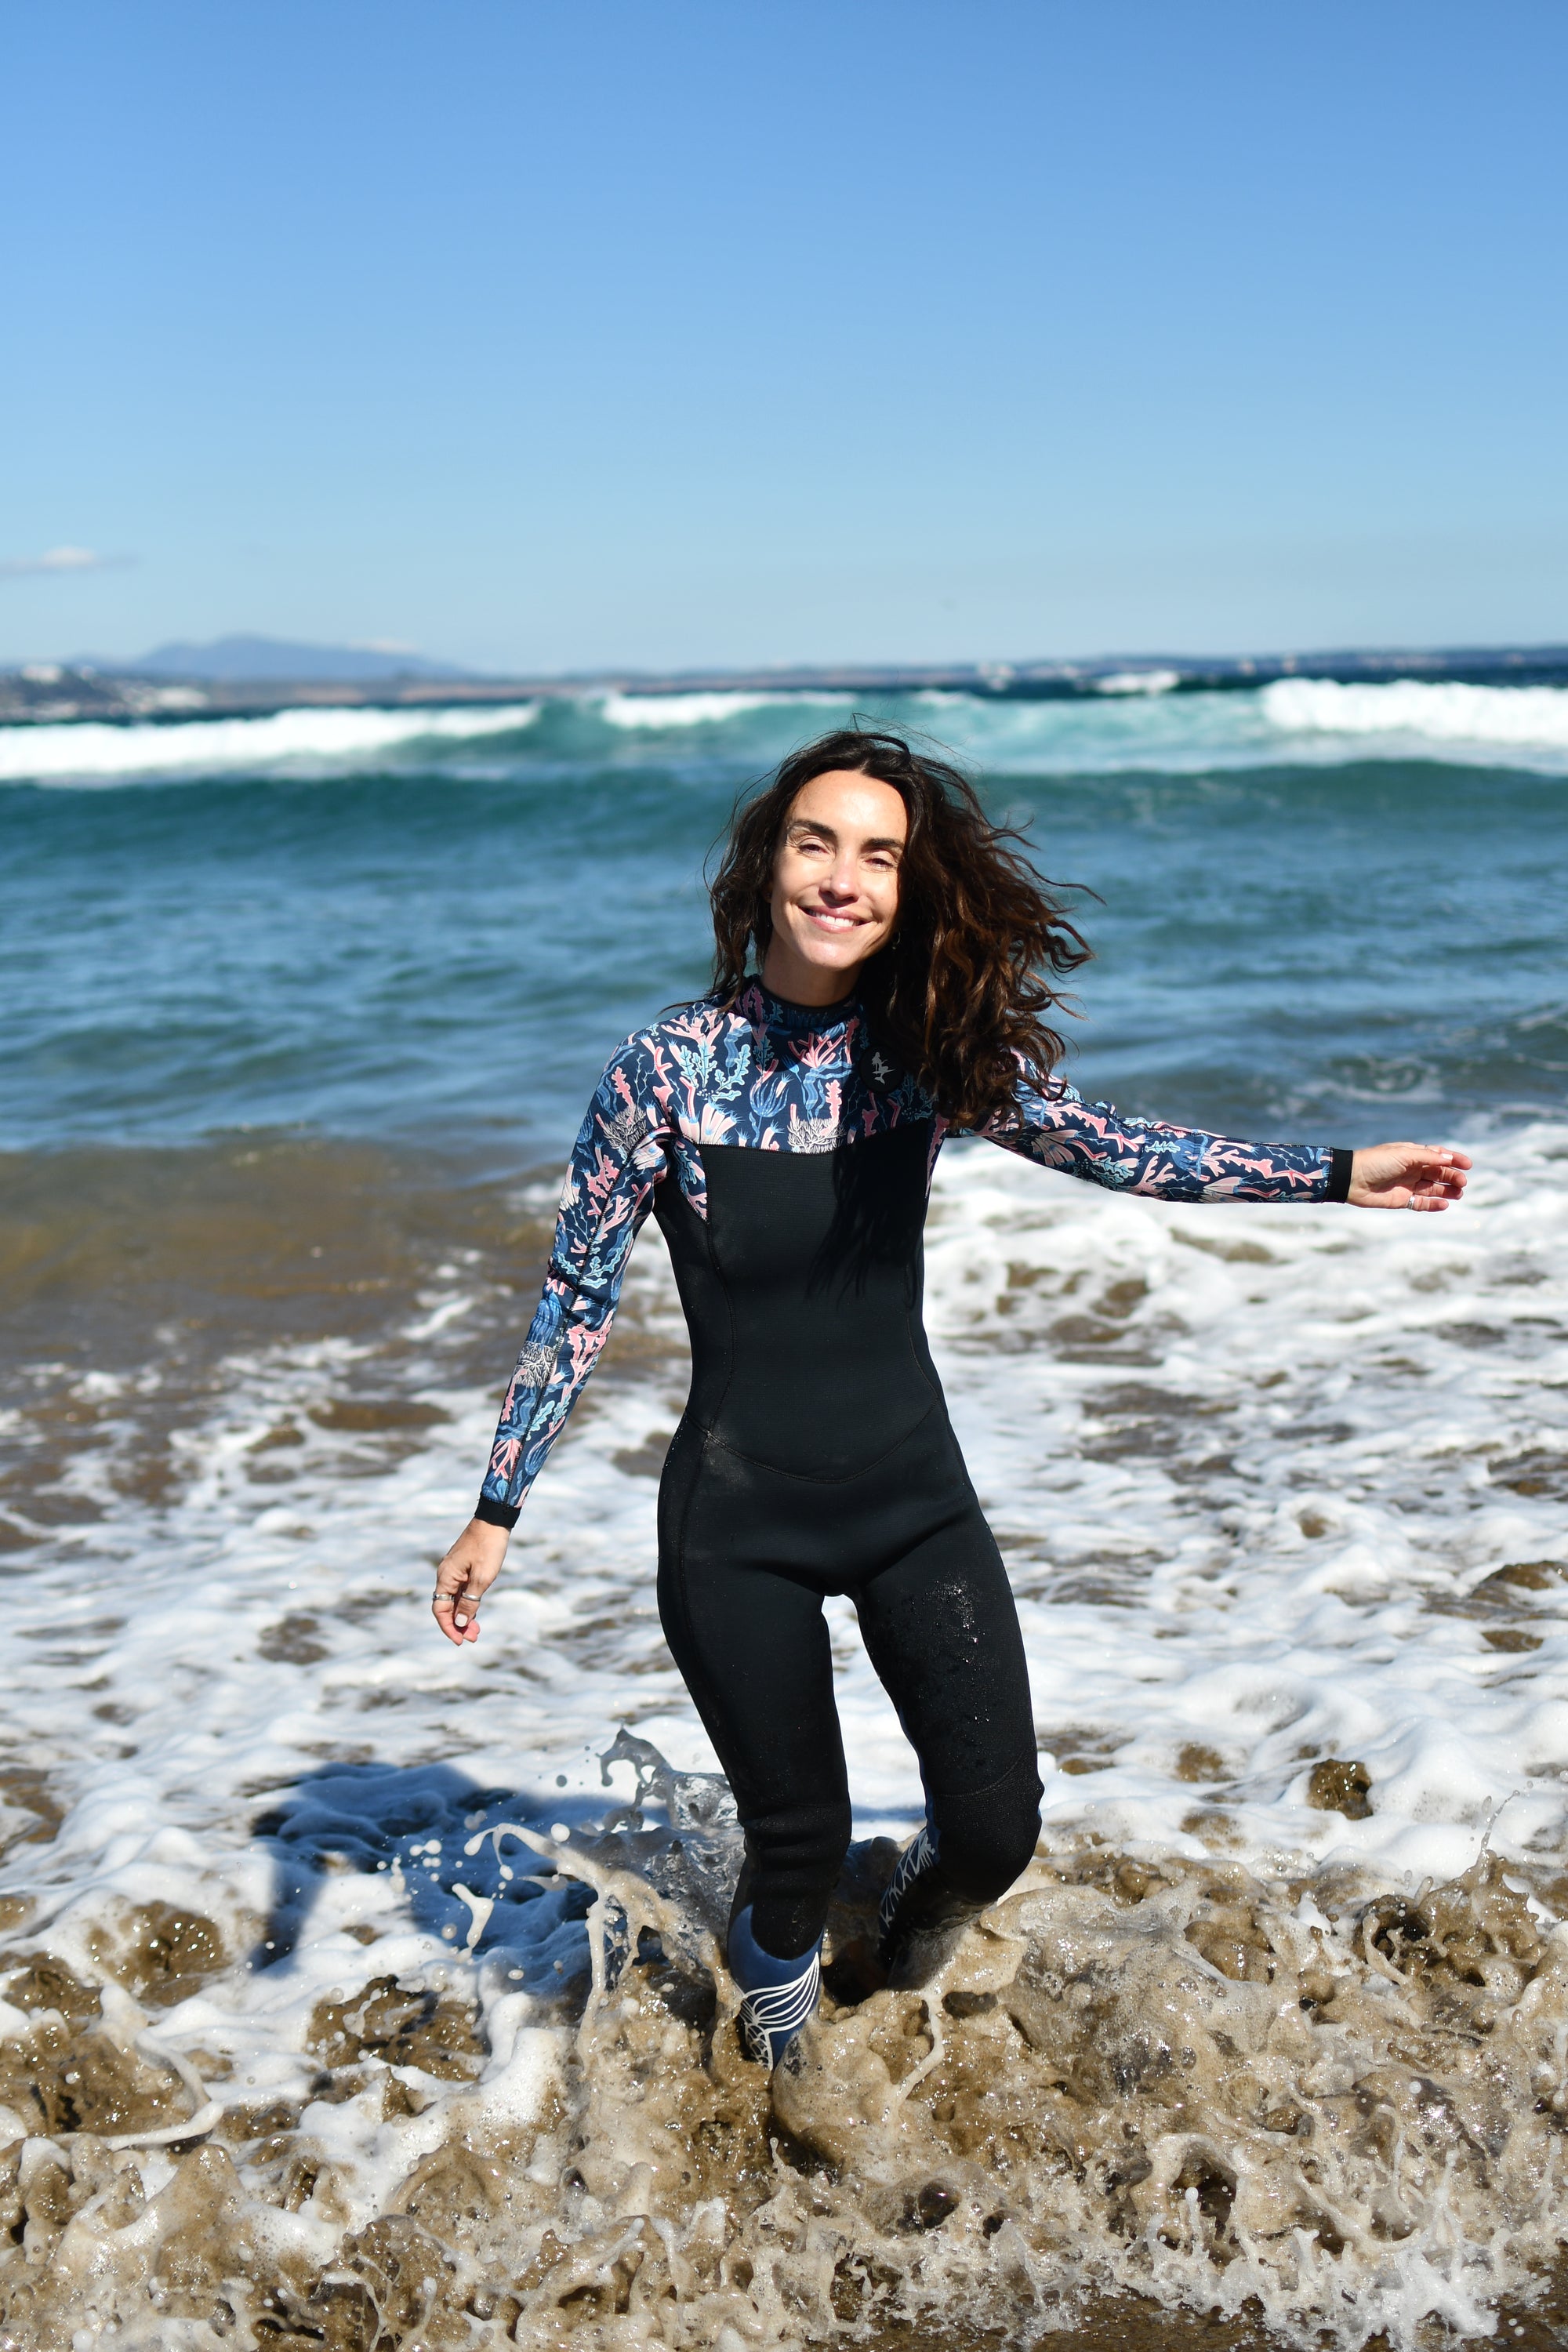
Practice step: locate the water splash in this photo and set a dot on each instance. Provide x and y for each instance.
(1332, 2107)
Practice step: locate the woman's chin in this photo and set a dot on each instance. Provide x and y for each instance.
(820, 962)
(829, 952)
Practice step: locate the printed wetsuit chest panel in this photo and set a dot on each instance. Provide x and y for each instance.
(818, 1260)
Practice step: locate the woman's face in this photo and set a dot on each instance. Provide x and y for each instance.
(836, 884)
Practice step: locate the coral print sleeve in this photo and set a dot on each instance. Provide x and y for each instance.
(1053, 1125)
(619, 1156)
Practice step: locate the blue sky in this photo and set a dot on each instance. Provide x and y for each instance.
(544, 337)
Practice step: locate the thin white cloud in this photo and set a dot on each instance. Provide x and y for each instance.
(59, 558)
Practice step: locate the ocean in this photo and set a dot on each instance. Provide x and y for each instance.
(341, 2005)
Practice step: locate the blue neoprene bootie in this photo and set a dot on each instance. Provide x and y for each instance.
(777, 1996)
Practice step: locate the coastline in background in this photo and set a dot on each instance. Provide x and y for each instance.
(237, 676)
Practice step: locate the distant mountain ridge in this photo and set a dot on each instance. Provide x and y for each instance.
(243, 658)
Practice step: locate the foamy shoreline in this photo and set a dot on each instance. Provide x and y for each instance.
(1264, 1479)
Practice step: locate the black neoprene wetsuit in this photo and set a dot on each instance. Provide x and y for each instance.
(789, 1168)
(815, 1456)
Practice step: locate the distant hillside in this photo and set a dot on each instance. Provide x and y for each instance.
(235, 658)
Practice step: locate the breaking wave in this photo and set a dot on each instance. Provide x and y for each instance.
(1333, 2107)
(313, 740)
(667, 713)
(1135, 722)
(1485, 717)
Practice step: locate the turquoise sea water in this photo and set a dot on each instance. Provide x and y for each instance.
(1325, 919)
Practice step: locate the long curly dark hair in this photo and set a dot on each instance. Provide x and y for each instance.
(958, 994)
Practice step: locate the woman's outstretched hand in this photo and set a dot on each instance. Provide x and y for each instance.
(1407, 1176)
(466, 1573)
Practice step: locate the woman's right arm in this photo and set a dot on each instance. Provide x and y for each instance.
(617, 1160)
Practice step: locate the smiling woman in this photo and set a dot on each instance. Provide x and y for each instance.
(835, 885)
(895, 867)
(783, 1129)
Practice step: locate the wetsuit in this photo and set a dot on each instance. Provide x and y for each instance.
(789, 1168)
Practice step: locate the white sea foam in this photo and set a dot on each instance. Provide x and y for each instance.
(1447, 712)
(1253, 1463)
(1134, 722)
(1293, 722)
(91, 752)
(1245, 1463)
(1138, 681)
(1276, 1487)
(670, 712)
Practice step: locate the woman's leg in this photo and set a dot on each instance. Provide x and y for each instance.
(942, 1633)
(754, 1652)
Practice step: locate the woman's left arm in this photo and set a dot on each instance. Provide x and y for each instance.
(1053, 1125)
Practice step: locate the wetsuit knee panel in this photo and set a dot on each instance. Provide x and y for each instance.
(986, 1838)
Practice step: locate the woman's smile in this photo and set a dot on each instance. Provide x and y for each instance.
(834, 885)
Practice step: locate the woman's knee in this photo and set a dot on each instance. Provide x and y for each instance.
(799, 1839)
(986, 1838)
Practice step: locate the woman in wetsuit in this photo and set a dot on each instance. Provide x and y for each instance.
(783, 1129)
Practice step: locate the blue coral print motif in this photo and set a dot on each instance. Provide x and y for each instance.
(784, 1077)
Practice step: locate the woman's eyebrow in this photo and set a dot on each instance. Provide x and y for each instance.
(799, 824)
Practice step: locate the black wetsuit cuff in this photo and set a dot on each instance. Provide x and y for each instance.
(496, 1515)
(1338, 1174)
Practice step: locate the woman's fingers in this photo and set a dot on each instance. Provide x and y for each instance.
(1438, 1178)
(458, 1613)
(1449, 1184)
(445, 1608)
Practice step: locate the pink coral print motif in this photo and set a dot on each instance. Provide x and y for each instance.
(772, 1077)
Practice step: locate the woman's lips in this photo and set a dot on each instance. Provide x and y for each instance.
(829, 920)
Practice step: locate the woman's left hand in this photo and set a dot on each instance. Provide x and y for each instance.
(1407, 1176)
